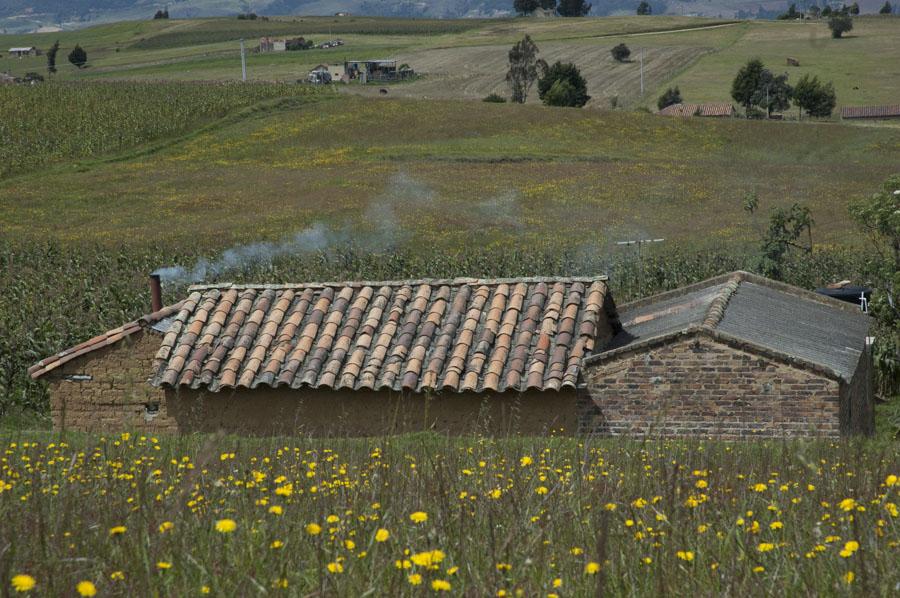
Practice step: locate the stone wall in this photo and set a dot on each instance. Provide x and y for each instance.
(284, 411)
(107, 389)
(699, 386)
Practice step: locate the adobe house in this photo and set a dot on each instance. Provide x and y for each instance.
(736, 356)
(364, 358)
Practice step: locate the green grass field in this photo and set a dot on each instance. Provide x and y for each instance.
(419, 515)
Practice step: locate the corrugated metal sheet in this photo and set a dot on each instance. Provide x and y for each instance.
(815, 332)
(891, 111)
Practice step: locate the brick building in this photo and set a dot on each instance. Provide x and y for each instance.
(736, 356)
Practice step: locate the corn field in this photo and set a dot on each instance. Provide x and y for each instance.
(45, 123)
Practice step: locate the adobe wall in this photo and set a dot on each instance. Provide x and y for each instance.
(698, 386)
(117, 396)
(284, 411)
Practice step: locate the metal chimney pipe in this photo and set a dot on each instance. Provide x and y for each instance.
(155, 293)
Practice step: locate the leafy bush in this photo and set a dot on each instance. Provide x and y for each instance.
(620, 52)
(839, 25)
(563, 85)
(669, 97)
(494, 98)
(78, 56)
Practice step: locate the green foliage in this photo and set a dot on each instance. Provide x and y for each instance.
(853, 9)
(644, 8)
(525, 7)
(620, 52)
(671, 96)
(78, 56)
(755, 86)
(524, 68)
(746, 83)
(573, 8)
(494, 98)
(785, 233)
(790, 15)
(886, 9)
(82, 120)
(879, 217)
(840, 24)
(563, 85)
(815, 98)
(51, 57)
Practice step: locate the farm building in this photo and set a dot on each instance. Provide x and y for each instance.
(376, 70)
(875, 112)
(268, 44)
(720, 110)
(24, 51)
(735, 357)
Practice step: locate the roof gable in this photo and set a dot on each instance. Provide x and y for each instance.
(458, 335)
(761, 314)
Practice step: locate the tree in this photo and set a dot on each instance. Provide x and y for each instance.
(525, 7)
(78, 56)
(790, 15)
(785, 233)
(563, 85)
(524, 68)
(573, 8)
(644, 8)
(51, 57)
(773, 93)
(746, 82)
(548, 4)
(827, 12)
(620, 52)
(853, 9)
(816, 99)
(669, 97)
(839, 25)
(161, 14)
(886, 9)
(814, 11)
(879, 217)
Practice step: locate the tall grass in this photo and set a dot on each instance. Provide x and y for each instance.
(50, 122)
(420, 515)
(55, 296)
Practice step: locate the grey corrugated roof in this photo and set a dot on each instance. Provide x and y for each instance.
(665, 316)
(765, 314)
(780, 321)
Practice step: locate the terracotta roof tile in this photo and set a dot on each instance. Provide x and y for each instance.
(459, 335)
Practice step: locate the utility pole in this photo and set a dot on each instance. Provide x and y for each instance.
(642, 72)
(243, 62)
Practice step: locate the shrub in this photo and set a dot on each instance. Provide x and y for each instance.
(494, 98)
(839, 25)
(620, 53)
(669, 97)
(644, 8)
(571, 89)
(78, 56)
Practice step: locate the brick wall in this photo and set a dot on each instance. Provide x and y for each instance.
(117, 396)
(699, 386)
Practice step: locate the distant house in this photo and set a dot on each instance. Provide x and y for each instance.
(376, 70)
(268, 44)
(711, 110)
(24, 51)
(319, 75)
(890, 111)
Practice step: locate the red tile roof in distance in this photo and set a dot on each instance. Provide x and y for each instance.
(457, 335)
(871, 111)
(711, 109)
(109, 337)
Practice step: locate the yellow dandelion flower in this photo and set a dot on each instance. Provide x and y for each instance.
(760, 487)
(276, 510)
(685, 555)
(639, 503)
(758, 569)
(849, 548)
(165, 526)
(313, 529)
(86, 588)
(849, 576)
(891, 480)
(225, 526)
(441, 585)
(525, 461)
(117, 575)
(332, 519)
(891, 508)
(335, 567)
(23, 582)
(542, 490)
(610, 506)
(286, 490)
(117, 530)
(776, 525)
(349, 544)
(765, 546)
(419, 517)
(557, 583)
(277, 544)
(848, 504)
(382, 535)
(207, 590)
(163, 565)
(592, 568)
(414, 579)
(427, 558)
(701, 484)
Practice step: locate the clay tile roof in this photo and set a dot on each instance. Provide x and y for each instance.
(708, 109)
(103, 340)
(890, 111)
(421, 335)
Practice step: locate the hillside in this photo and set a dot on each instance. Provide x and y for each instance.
(466, 59)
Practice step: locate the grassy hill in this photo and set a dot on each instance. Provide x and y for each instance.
(467, 58)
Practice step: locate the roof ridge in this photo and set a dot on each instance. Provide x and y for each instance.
(396, 283)
(717, 306)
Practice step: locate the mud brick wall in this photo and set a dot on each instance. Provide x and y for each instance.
(117, 395)
(699, 386)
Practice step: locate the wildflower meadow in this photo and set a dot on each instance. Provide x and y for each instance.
(134, 515)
